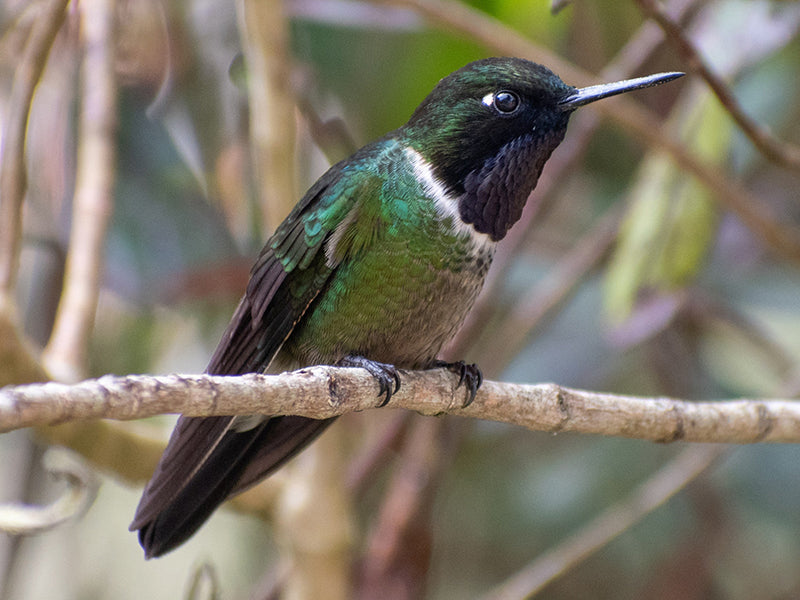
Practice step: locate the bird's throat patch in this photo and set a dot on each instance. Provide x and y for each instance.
(495, 195)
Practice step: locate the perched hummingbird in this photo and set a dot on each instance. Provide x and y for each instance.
(376, 267)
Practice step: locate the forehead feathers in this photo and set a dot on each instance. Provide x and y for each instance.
(471, 83)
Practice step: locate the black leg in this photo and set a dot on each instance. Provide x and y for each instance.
(385, 374)
(468, 374)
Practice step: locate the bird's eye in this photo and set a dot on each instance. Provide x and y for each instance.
(506, 102)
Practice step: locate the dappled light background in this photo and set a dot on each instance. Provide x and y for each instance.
(628, 274)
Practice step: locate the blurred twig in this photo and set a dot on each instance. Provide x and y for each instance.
(318, 535)
(556, 287)
(398, 550)
(66, 352)
(659, 488)
(331, 137)
(641, 45)
(363, 469)
(783, 153)
(322, 392)
(203, 583)
(130, 452)
(706, 310)
(780, 364)
(13, 176)
(263, 29)
(81, 492)
(110, 446)
(18, 361)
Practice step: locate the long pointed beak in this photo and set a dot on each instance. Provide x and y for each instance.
(589, 94)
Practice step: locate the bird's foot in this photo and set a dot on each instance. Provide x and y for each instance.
(385, 374)
(468, 374)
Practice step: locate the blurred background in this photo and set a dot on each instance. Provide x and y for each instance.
(627, 274)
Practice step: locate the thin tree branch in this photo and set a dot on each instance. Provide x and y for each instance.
(13, 176)
(609, 524)
(364, 468)
(65, 354)
(778, 151)
(317, 540)
(322, 392)
(83, 485)
(18, 360)
(204, 583)
(398, 548)
(263, 30)
(534, 307)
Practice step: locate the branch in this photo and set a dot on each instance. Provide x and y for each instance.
(82, 488)
(13, 175)
(65, 354)
(609, 524)
(552, 291)
(776, 150)
(263, 30)
(322, 392)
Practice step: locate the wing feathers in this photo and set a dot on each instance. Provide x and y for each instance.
(207, 460)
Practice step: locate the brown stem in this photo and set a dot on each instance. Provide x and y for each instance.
(778, 151)
(66, 353)
(13, 176)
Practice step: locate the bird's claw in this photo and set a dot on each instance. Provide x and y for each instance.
(468, 374)
(385, 374)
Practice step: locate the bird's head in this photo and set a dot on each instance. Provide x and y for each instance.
(487, 129)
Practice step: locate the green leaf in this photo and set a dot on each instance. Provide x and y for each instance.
(671, 221)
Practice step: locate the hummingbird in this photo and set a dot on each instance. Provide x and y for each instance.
(375, 267)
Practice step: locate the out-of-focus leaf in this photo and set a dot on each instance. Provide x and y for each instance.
(672, 219)
(692, 216)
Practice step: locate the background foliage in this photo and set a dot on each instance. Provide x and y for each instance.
(678, 296)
